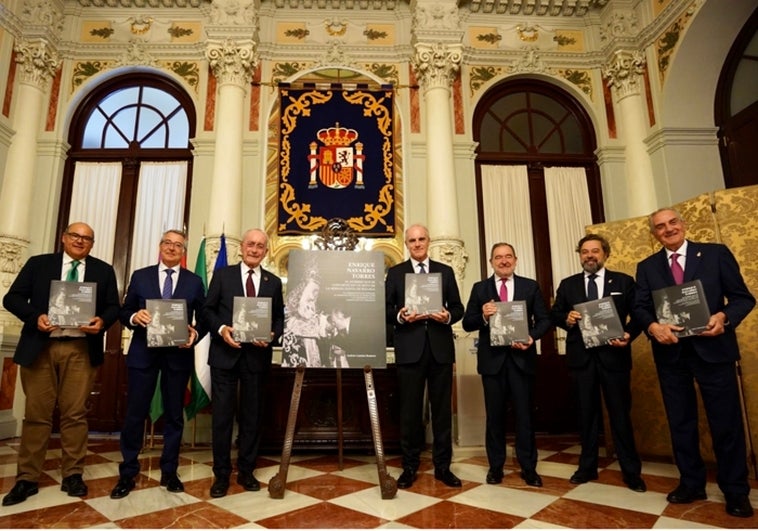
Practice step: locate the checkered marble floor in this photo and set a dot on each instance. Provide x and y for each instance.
(320, 495)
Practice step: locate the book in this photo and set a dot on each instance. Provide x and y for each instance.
(251, 319)
(510, 324)
(683, 305)
(72, 304)
(423, 292)
(600, 322)
(168, 326)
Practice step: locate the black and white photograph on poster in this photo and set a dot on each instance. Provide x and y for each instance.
(683, 305)
(71, 304)
(423, 292)
(509, 324)
(334, 310)
(168, 322)
(251, 319)
(600, 322)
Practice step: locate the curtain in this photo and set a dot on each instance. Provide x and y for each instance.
(568, 207)
(160, 207)
(94, 201)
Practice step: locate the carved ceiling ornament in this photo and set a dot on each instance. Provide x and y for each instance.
(620, 25)
(233, 13)
(37, 61)
(530, 62)
(12, 250)
(437, 64)
(624, 72)
(335, 55)
(232, 61)
(436, 16)
(42, 13)
(136, 54)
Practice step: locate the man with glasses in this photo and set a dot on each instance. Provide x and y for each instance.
(165, 280)
(58, 365)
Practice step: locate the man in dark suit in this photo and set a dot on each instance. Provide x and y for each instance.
(233, 363)
(607, 367)
(168, 280)
(708, 359)
(507, 371)
(58, 366)
(424, 354)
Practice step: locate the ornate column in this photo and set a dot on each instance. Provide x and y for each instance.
(37, 63)
(437, 63)
(624, 74)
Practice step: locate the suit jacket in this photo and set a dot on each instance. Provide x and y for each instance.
(725, 291)
(217, 310)
(409, 338)
(618, 286)
(144, 285)
(29, 297)
(490, 359)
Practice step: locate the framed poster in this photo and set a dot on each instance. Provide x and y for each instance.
(334, 313)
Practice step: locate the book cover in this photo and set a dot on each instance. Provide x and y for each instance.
(72, 304)
(251, 319)
(423, 292)
(168, 326)
(510, 324)
(600, 322)
(683, 305)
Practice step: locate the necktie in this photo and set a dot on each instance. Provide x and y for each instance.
(421, 268)
(72, 275)
(676, 268)
(168, 286)
(249, 286)
(591, 287)
(503, 291)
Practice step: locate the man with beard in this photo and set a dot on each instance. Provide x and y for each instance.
(607, 367)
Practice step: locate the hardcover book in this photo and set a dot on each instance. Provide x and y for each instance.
(72, 304)
(510, 324)
(251, 319)
(683, 305)
(600, 322)
(168, 326)
(423, 292)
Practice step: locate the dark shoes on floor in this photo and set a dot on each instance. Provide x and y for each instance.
(447, 477)
(494, 476)
(20, 492)
(635, 483)
(583, 476)
(738, 505)
(531, 478)
(406, 479)
(219, 487)
(684, 494)
(248, 481)
(74, 485)
(123, 488)
(172, 482)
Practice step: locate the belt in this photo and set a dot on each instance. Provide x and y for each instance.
(66, 338)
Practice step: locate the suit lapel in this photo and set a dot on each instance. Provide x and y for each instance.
(694, 256)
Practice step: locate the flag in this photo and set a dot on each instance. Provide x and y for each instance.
(156, 404)
(200, 384)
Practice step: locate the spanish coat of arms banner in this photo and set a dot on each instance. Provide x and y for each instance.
(336, 160)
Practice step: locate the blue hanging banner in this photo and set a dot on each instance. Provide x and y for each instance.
(336, 160)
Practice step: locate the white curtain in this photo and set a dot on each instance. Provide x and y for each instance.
(160, 207)
(568, 207)
(94, 201)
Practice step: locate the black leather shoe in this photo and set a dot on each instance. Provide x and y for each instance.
(74, 485)
(494, 476)
(447, 477)
(406, 479)
(581, 476)
(248, 481)
(20, 492)
(635, 483)
(219, 487)
(172, 483)
(122, 488)
(684, 494)
(532, 478)
(738, 505)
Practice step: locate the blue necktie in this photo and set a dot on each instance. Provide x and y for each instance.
(168, 286)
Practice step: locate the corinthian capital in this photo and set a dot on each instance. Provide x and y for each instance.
(437, 65)
(450, 251)
(232, 61)
(37, 62)
(623, 72)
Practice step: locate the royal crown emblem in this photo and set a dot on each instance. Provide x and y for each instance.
(336, 161)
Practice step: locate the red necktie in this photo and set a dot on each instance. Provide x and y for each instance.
(676, 268)
(503, 291)
(249, 286)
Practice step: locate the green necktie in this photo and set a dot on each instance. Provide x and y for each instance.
(72, 275)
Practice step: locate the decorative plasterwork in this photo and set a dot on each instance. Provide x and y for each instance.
(552, 8)
(437, 65)
(667, 42)
(232, 61)
(136, 54)
(11, 257)
(624, 72)
(530, 62)
(43, 14)
(37, 62)
(142, 3)
(619, 25)
(189, 71)
(234, 13)
(450, 251)
(436, 17)
(335, 55)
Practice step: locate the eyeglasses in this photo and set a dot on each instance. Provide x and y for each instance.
(80, 237)
(175, 245)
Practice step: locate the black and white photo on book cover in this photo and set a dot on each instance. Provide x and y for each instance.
(72, 304)
(509, 324)
(334, 310)
(168, 322)
(683, 305)
(251, 319)
(423, 292)
(600, 322)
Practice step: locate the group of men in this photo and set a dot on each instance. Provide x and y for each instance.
(58, 365)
